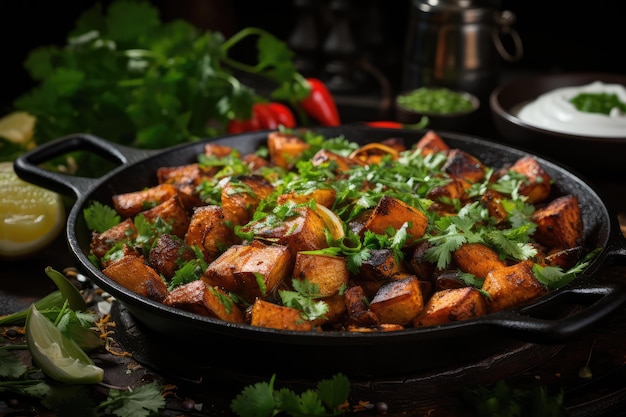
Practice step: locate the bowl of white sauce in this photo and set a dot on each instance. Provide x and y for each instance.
(576, 119)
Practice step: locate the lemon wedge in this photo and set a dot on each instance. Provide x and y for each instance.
(58, 356)
(30, 216)
(17, 127)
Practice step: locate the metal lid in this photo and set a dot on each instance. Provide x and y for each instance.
(459, 11)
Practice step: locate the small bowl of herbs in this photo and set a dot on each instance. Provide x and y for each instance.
(438, 107)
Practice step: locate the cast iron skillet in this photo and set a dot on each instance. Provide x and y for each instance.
(555, 318)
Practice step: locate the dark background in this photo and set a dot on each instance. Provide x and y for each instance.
(557, 35)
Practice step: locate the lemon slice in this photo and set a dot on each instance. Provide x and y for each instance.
(58, 356)
(30, 216)
(17, 127)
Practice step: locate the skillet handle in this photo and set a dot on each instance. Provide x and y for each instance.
(27, 166)
(608, 298)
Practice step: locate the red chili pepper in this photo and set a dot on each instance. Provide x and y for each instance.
(320, 104)
(283, 114)
(264, 114)
(239, 126)
(385, 123)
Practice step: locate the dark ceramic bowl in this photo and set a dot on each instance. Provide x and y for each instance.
(456, 121)
(595, 156)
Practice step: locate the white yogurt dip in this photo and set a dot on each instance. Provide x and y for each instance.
(553, 111)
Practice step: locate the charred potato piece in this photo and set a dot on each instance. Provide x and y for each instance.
(132, 273)
(101, 243)
(241, 196)
(323, 196)
(302, 232)
(492, 200)
(559, 224)
(431, 143)
(398, 302)
(382, 265)
(565, 258)
(185, 178)
(343, 163)
(477, 259)
(209, 231)
(172, 212)
(356, 306)
(274, 316)
(198, 297)
(392, 212)
(284, 149)
(329, 273)
(445, 195)
(131, 204)
(537, 186)
(251, 271)
(463, 166)
(167, 254)
(451, 305)
(512, 286)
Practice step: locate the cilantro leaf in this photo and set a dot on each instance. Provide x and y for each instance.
(10, 365)
(140, 402)
(255, 400)
(100, 217)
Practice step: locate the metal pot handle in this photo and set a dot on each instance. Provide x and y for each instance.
(504, 21)
(27, 166)
(608, 298)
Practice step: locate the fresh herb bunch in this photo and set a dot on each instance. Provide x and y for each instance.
(128, 77)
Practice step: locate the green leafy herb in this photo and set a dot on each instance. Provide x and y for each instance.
(100, 217)
(602, 103)
(303, 299)
(142, 401)
(263, 399)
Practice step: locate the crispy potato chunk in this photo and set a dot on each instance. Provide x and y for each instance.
(464, 166)
(284, 148)
(241, 196)
(477, 259)
(131, 204)
(537, 187)
(132, 273)
(431, 143)
(559, 224)
(302, 232)
(323, 196)
(392, 212)
(398, 302)
(185, 177)
(329, 273)
(382, 265)
(451, 305)
(343, 163)
(198, 297)
(273, 316)
(167, 253)
(101, 243)
(512, 286)
(445, 195)
(359, 314)
(251, 271)
(172, 212)
(209, 231)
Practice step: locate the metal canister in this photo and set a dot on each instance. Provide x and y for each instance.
(458, 44)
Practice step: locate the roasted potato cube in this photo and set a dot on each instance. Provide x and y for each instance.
(422, 268)
(356, 306)
(168, 253)
(274, 316)
(392, 212)
(302, 232)
(329, 273)
(446, 195)
(512, 286)
(242, 195)
(538, 184)
(343, 163)
(185, 178)
(398, 302)
(101, 243)
(323, 196)
(200, 298)
(209, 231)
(132, 273)
(559, 224)
(382, 265)
(492, 200)
(285, 148)
(172, 212)
(336, 310)
(451, 305)
(565, 258)
(244, 269)
(131, 204)
(463, 166)
(431, 143)
(220, 151)
(477, 259)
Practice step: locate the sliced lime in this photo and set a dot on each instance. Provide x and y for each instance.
(58, 356)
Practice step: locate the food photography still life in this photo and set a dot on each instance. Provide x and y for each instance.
(304, 208)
